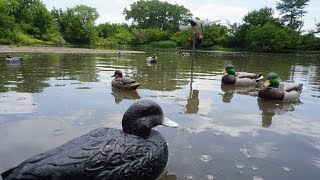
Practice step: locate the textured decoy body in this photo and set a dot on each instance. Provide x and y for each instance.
(239, 78)
(137, 152)
(124, 83)
(273, 89)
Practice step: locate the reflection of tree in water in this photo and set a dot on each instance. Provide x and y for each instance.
(193, 102)
(122, 94)
(271, 108)
(32, 76)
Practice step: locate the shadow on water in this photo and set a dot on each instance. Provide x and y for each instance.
(222, 131)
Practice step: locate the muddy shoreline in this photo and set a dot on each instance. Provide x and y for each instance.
(70, 50)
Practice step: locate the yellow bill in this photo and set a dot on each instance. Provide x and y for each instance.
(267, 83)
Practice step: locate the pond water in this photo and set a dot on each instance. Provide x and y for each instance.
(224, 133)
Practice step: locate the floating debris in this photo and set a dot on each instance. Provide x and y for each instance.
(205, 158)
(209, 177)
(254, 168)
(240, 172)
(246, 153)
(240, 166)
(285, 168)
(257, 178)
(189, 177)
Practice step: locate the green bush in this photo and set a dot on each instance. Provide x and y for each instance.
(181, 38)
(271, 38)
(163, 44)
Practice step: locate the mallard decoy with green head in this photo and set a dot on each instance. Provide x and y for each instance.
(239, 78)
(273, 89)
(136, 152)
(124, 83)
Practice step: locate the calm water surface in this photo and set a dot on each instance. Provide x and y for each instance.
(224, 133)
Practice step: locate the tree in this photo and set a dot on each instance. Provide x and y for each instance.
(77, 24)
(292, 12)
(156, 14)
(115, 33)
(34, 18)
(271, 38)
(216, 35)
(318, 28)
(260, 17)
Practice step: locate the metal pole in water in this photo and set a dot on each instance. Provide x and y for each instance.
(193, 47)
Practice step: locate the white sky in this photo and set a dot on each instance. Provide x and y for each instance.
(232, 10)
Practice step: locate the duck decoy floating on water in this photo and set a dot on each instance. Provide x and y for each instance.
(153, 58)
(273, 89)
(13, 60)
(136, 152)
(124, 83)
(239, 78)
(120, 54)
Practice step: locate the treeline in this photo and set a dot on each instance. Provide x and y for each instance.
(156, 24)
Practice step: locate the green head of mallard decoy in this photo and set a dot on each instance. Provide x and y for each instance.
(272, 80)
(230, 69)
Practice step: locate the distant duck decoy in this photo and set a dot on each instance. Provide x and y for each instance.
(185, 54)
(120, 54)
(136, 152)
(239, 78)
(273, 89)
(124, 83)
(153, 58)
(13, 60)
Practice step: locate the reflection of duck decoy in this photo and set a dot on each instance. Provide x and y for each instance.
(152, 59)
(271, 108)
(125, 83)
(239, 78)
(137, 152)
(13, 60)
(229, 90)
(122, 94)
(273, 89)
(193, 102)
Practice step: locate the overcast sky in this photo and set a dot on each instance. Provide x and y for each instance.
(231, 10)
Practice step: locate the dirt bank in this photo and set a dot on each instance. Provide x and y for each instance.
(9, 49)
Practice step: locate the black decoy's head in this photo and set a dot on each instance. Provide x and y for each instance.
(117, 73)
(143, 115)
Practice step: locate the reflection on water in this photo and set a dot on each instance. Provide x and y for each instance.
(119, 95)
(229, 90)
(193, 102)
(14, 103)
(67, 95)
(271, 108)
